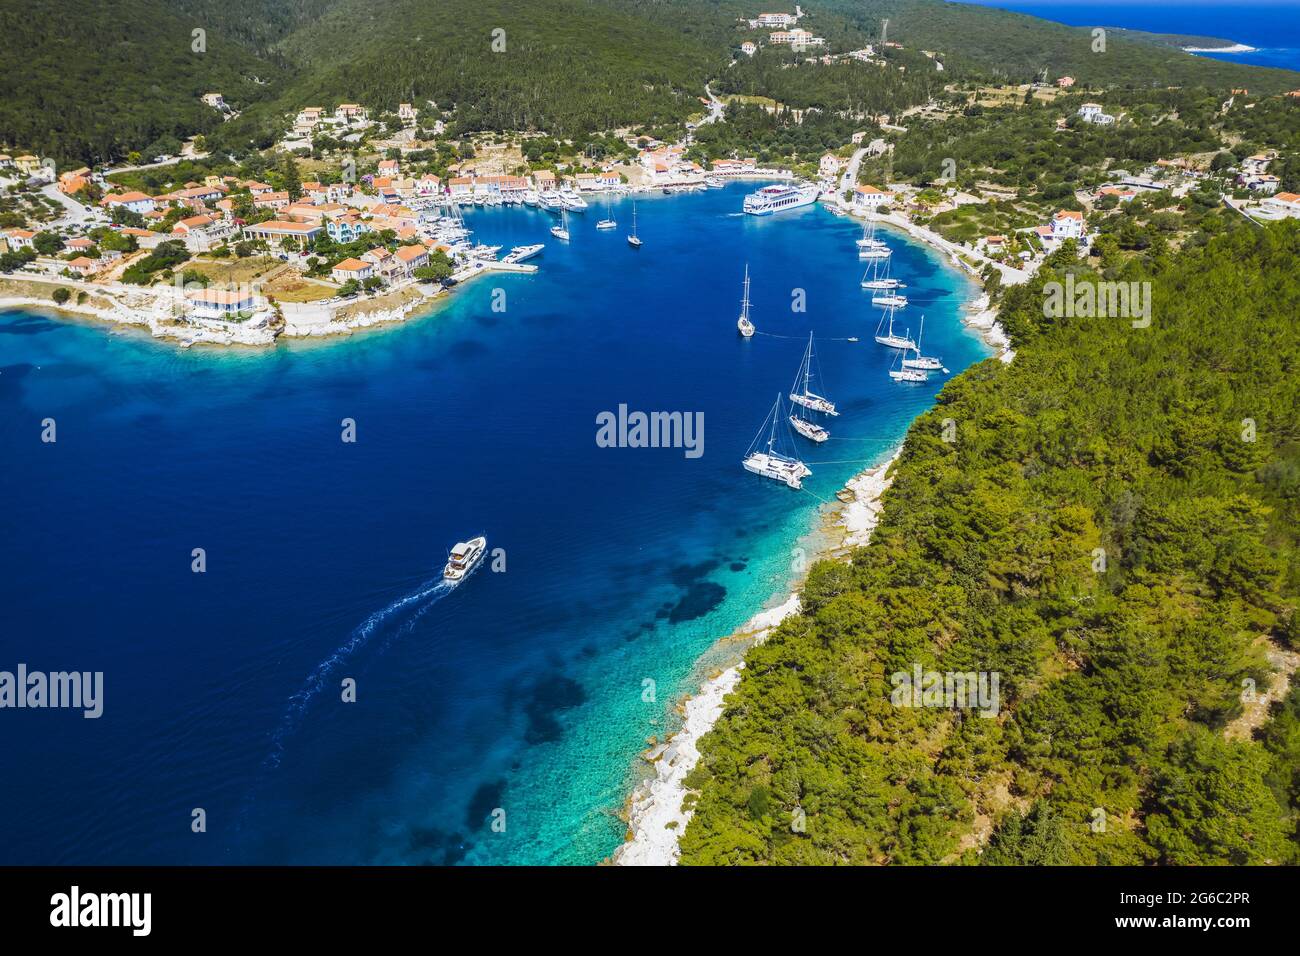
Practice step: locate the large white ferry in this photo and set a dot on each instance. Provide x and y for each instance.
(771, 199)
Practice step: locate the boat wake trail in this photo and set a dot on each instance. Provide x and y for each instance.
(430, 592)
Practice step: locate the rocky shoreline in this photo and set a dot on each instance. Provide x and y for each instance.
(654, 811)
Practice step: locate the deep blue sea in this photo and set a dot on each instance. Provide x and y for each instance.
(522, 690)
(1272, 28)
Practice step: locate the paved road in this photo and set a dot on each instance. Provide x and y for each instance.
(166, 162)
(716, 106)
(75, 213)
(850, 176)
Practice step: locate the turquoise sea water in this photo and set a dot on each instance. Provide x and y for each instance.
(521, 690)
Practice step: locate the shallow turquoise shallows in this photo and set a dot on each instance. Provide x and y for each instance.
(521, 697)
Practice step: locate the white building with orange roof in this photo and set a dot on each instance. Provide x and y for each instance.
(221, 303)
(357, 269)
(276, 231)
(136, 202)
(870, 198)
(83, 266)
(1068, 224)
(412, 257)
(1280, 206)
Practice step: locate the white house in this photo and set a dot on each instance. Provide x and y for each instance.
(220, 303)
(352, 269)
(1092, 113)
(749, 48)
(137, 202)
(1281, 206)
(1067, 224)
(870, 198)
(830, 165)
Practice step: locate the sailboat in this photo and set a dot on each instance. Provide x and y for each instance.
(920, 361)
(906, 374)
(800, 392)
(743, 325)
(878, 281)
(869, 247)
(562, 231)
(633, 239)
(889, 300)
(767, 461)
(809, 430)
(890, 339)
(608, 222)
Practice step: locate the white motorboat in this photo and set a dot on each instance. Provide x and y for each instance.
(463, 559)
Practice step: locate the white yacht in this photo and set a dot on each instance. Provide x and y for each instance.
(572, 201)
(771, 199)
(520, 253)
(905, 374)
(877, 281)
(889, 338)
(919, 361)
(800, 391)
(609, 222)
(561, 230)
(530, 197)
(463, 559)
(743, 325)
(809, 430)
(889, 300)
(633, 239)
(549, 199)
(771, 462)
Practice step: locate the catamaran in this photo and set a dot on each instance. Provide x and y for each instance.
(633, 239)
(890, 339)
(743, 325)
(463, 559)
(772, 463)
(562, 231)
(609, 222)
(920, 361)
(801, 393)
(906, 374)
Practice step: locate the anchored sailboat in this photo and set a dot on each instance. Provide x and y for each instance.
(767, 461)
(633, 240)
(743, 325)
(878, 281)
(906, 374)
(608, 222)
(562, 231)
(801, 392)
(889, 338)
(869, 247)
(920, 361)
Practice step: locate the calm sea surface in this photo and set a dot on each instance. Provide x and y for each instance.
(521, 690)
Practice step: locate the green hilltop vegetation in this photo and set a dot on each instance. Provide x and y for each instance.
(1121, 682)
(97, 81)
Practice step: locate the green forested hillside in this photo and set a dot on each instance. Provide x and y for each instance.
(86, 81)
(558, 65)
(1176, 450)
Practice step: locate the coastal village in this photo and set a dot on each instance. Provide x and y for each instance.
(345, 223)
